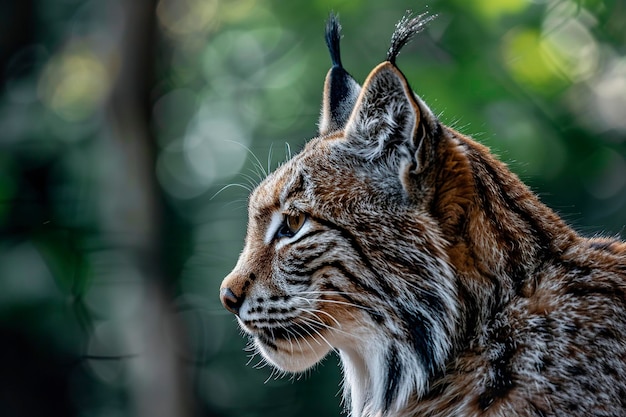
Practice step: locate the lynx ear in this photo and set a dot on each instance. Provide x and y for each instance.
(387, 118)
(340, 89)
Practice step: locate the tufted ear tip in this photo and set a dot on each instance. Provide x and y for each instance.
(333, 38)
(406, 29)
(340, 89)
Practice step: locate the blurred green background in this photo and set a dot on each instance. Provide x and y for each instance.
(129, 137)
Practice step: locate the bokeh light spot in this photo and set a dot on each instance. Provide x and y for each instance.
(186, 17)
(74, 83)
(236, 10)
(106, 350)
(569, 45)
(26, 277)
(214, 148)
(494, 9)
(524, 54)
(608, 100)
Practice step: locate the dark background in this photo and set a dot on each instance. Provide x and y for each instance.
(121, 121)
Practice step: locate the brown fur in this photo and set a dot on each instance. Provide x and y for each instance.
(445, 285)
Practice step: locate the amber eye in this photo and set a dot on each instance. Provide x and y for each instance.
(292, 223)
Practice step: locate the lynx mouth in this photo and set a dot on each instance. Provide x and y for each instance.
(292, 346)
(290, 332)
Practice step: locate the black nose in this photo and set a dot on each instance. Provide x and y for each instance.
(230, 301)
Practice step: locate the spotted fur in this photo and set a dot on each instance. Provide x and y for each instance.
(444, 284)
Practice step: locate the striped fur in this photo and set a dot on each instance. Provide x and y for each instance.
(444, 284)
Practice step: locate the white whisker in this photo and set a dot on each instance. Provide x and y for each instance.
(346, 303)
(317, 332)
(251, 181)
(257, 162)
(269, 158)
(323, 312)
(327, 326)
(287, 151)
(227, 186)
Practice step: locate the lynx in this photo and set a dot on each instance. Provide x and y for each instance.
(442, 282)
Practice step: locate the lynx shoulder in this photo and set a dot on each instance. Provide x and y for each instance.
(443, 283)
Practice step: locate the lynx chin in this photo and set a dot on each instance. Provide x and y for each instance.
(442, 282)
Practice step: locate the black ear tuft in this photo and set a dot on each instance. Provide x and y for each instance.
(333, 37)
(340, 89)
(406, 29)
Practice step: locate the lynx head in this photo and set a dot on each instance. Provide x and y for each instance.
(342, 250)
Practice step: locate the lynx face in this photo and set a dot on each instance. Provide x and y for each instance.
(331, 236)
(446, 287)
(341, 251)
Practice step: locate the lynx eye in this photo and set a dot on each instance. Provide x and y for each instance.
(292, 223)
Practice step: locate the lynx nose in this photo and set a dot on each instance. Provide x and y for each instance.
(230, 301)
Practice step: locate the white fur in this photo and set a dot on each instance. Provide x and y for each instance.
(272, 228)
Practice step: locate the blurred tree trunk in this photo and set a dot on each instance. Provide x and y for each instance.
(17, 23)
(131, 215)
